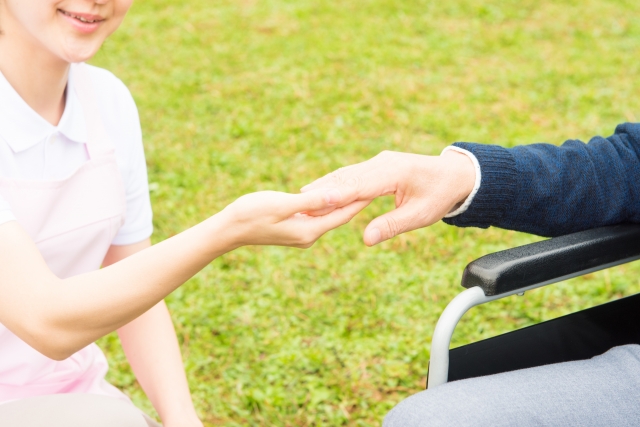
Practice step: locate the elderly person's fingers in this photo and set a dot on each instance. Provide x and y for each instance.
(331, 179)
(376, 177)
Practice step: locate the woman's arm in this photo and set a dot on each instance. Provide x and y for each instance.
(154, 355)
(58, 317)
(550, 191)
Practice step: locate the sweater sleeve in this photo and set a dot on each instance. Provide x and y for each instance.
(550, 191)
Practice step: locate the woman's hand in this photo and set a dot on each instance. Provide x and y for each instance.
(274, 218)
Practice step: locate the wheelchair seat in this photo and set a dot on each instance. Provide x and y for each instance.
(577, 336)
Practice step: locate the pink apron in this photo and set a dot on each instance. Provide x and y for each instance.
(73, 222)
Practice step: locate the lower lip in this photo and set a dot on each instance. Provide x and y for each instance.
(82, 27)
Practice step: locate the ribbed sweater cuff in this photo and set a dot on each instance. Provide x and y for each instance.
(497, 188)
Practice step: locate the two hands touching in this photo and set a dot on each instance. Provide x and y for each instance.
(426, 188)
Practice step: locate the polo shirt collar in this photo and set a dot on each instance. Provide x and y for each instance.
(22, 128)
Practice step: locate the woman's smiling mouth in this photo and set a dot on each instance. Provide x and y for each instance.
(82, 22)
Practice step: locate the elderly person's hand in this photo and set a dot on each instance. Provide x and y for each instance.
(426, 188)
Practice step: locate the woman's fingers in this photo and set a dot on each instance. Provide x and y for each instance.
(338, 217)
(302, 231)
(314, 200)
(321, 212)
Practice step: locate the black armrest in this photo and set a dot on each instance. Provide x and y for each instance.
(527, 265)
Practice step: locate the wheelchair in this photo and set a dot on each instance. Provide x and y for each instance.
(577, 336)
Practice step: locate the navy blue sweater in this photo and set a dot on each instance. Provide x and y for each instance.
(550, 191)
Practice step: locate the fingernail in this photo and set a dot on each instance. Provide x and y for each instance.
(333, 197)
(374, 237)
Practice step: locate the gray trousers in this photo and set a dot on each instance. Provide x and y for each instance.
(73, 410)
(603, 391)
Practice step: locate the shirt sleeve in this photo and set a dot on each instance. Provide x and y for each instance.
(5, 212)
(550, 191)
(138, 223)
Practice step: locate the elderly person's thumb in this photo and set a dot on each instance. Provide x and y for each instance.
(407, 217)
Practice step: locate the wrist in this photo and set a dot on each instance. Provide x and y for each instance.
(462, 174)
(222, 233)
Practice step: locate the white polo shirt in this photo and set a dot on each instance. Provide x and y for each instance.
(33, 149)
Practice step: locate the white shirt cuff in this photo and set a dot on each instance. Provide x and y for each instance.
(476, 186)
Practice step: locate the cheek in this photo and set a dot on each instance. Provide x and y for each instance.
(120, 9)
(35, 17)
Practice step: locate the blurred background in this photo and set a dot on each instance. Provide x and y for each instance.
(237, 96)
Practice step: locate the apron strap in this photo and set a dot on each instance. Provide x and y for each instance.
(98, 143)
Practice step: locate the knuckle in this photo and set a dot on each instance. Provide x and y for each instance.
(335, 180)
(335, 176)
(341, 177)
(354, 182)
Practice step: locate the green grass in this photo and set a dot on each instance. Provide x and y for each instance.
(243, 95)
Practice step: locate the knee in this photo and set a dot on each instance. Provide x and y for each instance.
(422, 409)
(444, 406)
(401, 415)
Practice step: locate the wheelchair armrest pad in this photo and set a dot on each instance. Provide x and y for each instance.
(540, 262)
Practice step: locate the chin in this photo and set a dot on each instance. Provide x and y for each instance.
(79, 52)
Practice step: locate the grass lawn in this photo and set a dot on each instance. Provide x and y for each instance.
(243, 95)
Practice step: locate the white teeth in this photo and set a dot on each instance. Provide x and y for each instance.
(79, 18)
